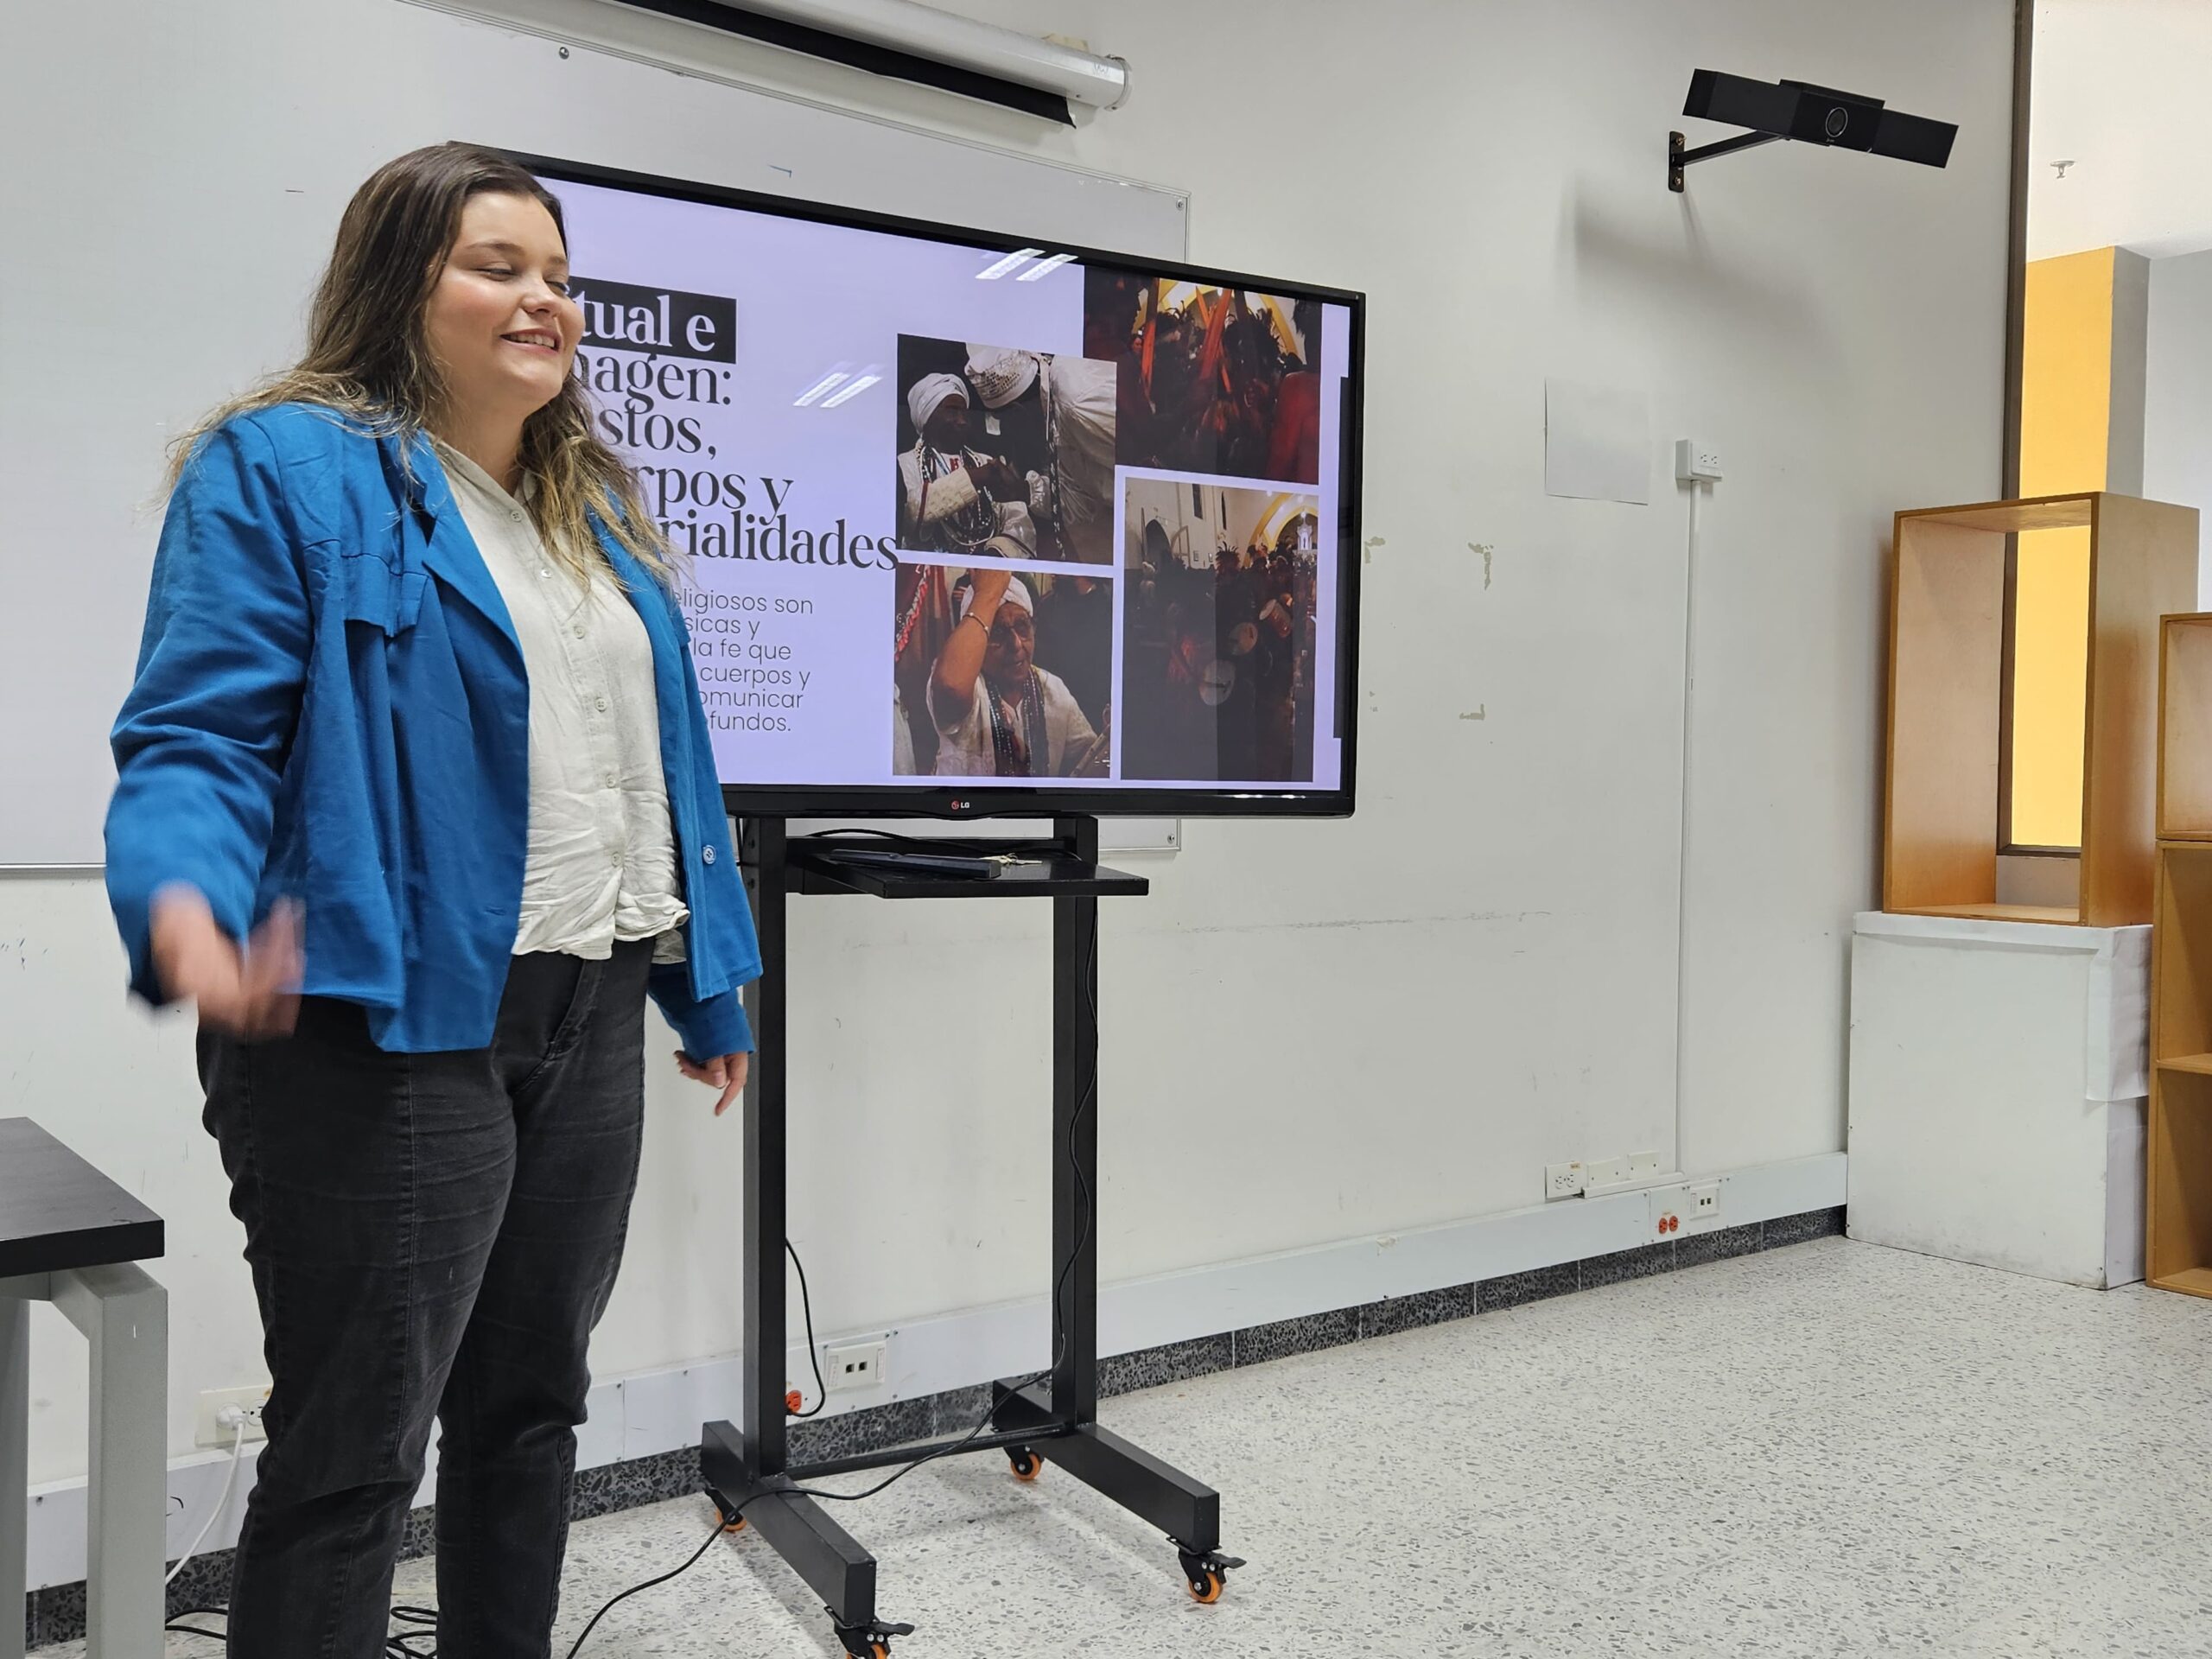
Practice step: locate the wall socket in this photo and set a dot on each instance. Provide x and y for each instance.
(1692, 1208)
(847, 1366)
(1695, 461)
(1564, 1181)
(209, 1429)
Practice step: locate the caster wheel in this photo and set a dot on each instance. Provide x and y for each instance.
(1206, 1589)
(736, 1524)
(1027, 1465)
(870, 1641)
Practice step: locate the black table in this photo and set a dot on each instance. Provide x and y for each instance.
(71, 1237)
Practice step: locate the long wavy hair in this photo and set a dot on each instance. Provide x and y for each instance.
(367, 355)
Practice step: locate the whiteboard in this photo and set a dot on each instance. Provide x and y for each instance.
(140, 285)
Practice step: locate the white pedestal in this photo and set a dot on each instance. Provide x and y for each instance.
(1998, 1084)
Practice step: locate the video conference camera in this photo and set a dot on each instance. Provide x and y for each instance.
(1798, 109)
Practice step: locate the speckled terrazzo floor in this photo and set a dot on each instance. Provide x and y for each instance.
(1832, 1450)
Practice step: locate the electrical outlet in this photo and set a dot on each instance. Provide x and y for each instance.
(1564, 1181)
(846, 1366)
(210, 1429)
(1694, 1208)
(1695, 461)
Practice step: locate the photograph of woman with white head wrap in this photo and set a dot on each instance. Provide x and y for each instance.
(977, 700)
(1211, 380)
(1217, 670)
(1002, 445)
(955, 497)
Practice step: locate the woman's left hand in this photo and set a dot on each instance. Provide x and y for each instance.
(726, 1072)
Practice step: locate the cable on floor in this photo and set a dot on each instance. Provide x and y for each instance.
(230, 1479)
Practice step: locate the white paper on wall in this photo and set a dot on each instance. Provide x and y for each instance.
(1596, 442)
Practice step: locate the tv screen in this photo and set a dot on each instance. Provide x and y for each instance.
(977, 526)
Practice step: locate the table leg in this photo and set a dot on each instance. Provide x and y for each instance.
(15, 1467)
(125, 1316)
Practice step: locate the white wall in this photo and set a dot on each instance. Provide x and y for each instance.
(2178, 394)
(2118, 87)
(1313, 1030)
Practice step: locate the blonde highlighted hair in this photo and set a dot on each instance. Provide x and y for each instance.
(367, 359)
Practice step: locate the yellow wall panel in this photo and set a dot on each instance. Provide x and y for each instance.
(2065, 427)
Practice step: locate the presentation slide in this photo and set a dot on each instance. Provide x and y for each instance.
(953, 512)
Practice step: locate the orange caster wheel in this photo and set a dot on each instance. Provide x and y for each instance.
(1027, 1465)
(1205, 1573)
(736, 1524)
(870, 1641)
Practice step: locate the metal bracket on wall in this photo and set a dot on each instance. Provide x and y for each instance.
(1678, 157)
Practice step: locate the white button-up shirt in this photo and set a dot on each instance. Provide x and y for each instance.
(601, 860)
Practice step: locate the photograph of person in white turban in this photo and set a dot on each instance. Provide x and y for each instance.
(953, 496)
(977, 700)
(1005, 451)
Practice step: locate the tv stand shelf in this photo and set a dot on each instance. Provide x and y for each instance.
(1047, 871)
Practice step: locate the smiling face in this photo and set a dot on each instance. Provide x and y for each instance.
(1014, 642)
(500, 323)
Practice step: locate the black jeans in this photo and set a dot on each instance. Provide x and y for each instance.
(430, 1235)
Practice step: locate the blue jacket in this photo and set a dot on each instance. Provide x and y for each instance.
(331, 707)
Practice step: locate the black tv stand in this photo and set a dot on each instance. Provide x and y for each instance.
(1054, 1420)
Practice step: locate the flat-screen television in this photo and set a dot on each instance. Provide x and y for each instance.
(974, 525)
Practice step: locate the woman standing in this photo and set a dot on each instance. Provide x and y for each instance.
(414, 799)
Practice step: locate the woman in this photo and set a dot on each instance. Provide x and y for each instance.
(998, 714)
(416, 720)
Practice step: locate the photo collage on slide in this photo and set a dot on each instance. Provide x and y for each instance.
(1107, 563)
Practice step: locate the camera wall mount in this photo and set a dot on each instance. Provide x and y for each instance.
(1799, 111)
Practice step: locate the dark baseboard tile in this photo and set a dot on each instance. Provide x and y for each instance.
(1387, 1317)
(1798, 1229)
(1700, 1249)
(1256, 1345)
(57, 1614)
(1644, 1261)
(1177, 1362)
(615, 1487)
(1519, 1289)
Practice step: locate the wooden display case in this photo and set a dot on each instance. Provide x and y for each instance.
(2185, 727)
(1947, 655)
(2178, 1246)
